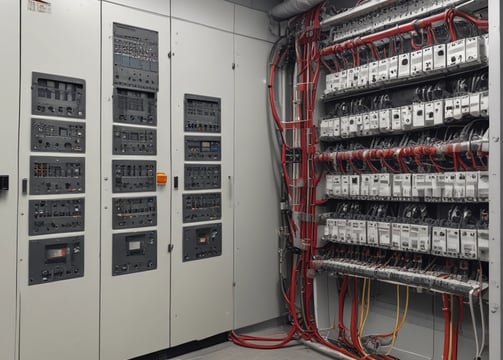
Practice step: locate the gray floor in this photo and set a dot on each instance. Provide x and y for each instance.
(228, 351)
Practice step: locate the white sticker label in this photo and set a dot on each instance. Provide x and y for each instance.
(39, 6)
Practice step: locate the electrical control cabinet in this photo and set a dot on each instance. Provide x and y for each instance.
(9, 168)
(417, 183)
(202, 207)
(202, 160)
(134, 141)
(202, 148)
(136, 63)
(136, 148)
(56, 259)
(133, 212)
(58, 136)
(201, 242)
(202, 177)
(57, 175)
(134, 107)
(55, 95)
(202, 114)
(134, 252)
(133, 176)
(56, 216)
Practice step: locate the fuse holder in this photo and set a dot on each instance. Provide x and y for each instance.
(162, 178)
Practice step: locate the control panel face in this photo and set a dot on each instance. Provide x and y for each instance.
(56, 259)
(201, 177)
(202, 207)
(201, 242)
(134, 141)
(202, 148)
(134, 252)
(58, 136)
(134, 107)
(134, 212)
(57, 175)
(133, 176)
(136, 62)
(54, 95)
(56, 216)
(202, 114)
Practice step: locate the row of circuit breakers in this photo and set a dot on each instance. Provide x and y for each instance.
(57, 181)
(443, 213)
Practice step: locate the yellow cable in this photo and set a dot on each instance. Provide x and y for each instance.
(406, 308)
(397, 319)
(449, 357)
(362, 311)
(363, 315)
(367, 310)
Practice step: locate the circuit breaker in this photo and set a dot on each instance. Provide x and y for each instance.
(403, 140)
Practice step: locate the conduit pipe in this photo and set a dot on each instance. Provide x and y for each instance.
(291, 8)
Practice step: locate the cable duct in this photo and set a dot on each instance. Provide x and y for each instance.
(290, 8)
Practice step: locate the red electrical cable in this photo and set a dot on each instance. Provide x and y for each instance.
(370, 165)
(353, 167)
(446, 16)
(388, 166)
(454, 159)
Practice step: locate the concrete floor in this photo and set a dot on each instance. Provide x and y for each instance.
(230, 351)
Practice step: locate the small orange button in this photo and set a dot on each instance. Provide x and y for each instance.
(162, 178)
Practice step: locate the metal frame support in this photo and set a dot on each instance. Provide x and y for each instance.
(495, 165)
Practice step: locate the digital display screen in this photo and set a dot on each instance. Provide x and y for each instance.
(56, 254)
(134, 245)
